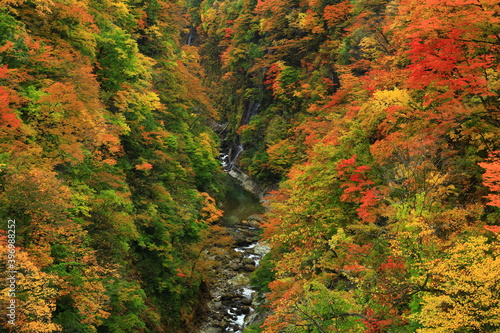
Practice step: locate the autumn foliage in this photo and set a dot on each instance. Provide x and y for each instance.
(375, 121)
(106, 162)
(380, 121)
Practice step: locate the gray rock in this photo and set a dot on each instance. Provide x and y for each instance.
(246, 301)
(248, 261)
(255, 218)
(261, 249)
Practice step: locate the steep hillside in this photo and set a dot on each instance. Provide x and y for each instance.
(381, 121)
(107, 160)
(378, 119)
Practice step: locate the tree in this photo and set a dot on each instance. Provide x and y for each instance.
(465, 284)
(34, 294)
(492, 178)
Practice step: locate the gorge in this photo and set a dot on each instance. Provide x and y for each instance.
(132, 131)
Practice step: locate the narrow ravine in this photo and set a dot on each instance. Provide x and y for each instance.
(231, 302)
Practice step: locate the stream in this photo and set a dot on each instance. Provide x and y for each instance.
(231, 305)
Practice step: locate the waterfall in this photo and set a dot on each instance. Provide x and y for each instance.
(251, 110)
(229, 159)
(229, 155)
(192, 31)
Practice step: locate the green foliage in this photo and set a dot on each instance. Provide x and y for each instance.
(253, 329)
(261, 278)
(109, 144)
(69, 319)
(11, 31)
(128, 303)
(375, 116)
(119, 59)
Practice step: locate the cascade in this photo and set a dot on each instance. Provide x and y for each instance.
(232, 304)
(232, 150)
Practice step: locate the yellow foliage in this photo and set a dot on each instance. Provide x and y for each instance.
(34, 294)
(468, 284)
(493, 79)
(42, 6)
(370, 47)
(375, 110)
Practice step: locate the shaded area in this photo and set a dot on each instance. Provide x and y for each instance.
(239, 203)
(231, 297)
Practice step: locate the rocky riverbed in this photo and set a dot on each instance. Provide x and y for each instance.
(231, 306)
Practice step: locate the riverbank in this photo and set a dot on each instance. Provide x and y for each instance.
(231, 296)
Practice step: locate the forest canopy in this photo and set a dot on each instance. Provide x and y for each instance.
(376, 121)
(380, 121)
(108, 166)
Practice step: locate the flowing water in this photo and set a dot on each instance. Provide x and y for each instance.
(231, 293)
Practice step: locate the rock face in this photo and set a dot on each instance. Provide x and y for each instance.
(231, 296)
(246, 182)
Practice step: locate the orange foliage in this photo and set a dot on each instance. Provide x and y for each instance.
(337, 13)
(8, 117)
(491, 178)
(210, 212)
(492, 228)
(34, 294)
(144, 166)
